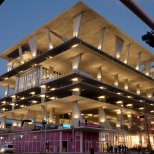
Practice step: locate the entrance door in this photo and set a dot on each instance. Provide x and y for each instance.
(88, 145)
(64, 146)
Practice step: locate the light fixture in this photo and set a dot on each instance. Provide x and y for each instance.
(3, 102)
(75, 79)
(141, 108)
(101, 87)
(50, 57)
(129, 96)
(101, 97)
(75, 45)
(118, 93)
(22, 98)
(42, 95)
(76, 89)
(119, 102)
(6, 78)
(129, 105)
(32, 93)
(152, 111)
(34, 101)
(43, 86)
(13, 96)
(52, 98)
(52, 89)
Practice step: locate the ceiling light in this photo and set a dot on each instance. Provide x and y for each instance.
(76, 89)
(75, 45)
(75, 79)
(101, 97)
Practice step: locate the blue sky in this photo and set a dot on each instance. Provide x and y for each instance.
(19, 18)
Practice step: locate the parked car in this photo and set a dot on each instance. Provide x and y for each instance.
(7, 148)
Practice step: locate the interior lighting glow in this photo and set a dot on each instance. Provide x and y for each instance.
(75, 79)
(75, 45)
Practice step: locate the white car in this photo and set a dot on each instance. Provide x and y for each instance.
(7, 148)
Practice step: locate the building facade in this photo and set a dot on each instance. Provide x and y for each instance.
(77, 83)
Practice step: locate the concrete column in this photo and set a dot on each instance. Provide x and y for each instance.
(76, 62)
(118, 46)
(147, 67)
(50, 45)
(138, 89)
(99, 73)
(102, 119)
(138, 61)
(44, 112)
(129, 116)
(33, 46)
(14, 122)
(126, 59)
(116, 80)
(126, 84)
(119, 119)
(149, 93)
(81, 141)
(76, 114)
(3, 122)
(43, 90)
(21, 55)
(76, 25)
(101, 40)
(7, 90)
(51, 115)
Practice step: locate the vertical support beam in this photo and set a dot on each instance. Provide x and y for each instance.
(3, 122)
(138, 61)
(7, 90)
(102, 119)
(21, 55)
(51, 114)
(101, 40)
(60, 142)
(14, 122)
(138, 89)
(99, 73)
(119, 119)
(76, 114)
(76, 25)
(76, 62)
(116, 80)
(126, 59)
(50, 45)
(148, 67)
(44, 113)
(43, 90)
(118, 46)
(129, 116)
(81, 141)
(126, 84)
(33, 46)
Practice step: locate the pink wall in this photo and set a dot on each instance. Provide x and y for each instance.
(35, 141)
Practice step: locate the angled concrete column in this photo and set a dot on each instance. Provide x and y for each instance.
(129, 116)
(44, 112)
(76, 62)
(101, 40)
(149, 93)
(138, 61)
(126, 84)
(30, 115)
(126, 59)
(7, 90)
(138, 89)
(50, 45)
(119, 119)
(76, 25)
(14, 122)
(51, 115)
(102, 119)
(116, 80)
(3, 122)
(21, 55)
(147, 67)
(118, 46)
(43, 90)
(76, 114)
(99, 73)
(33, 46)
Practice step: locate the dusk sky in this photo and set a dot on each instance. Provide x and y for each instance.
(20, 18)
